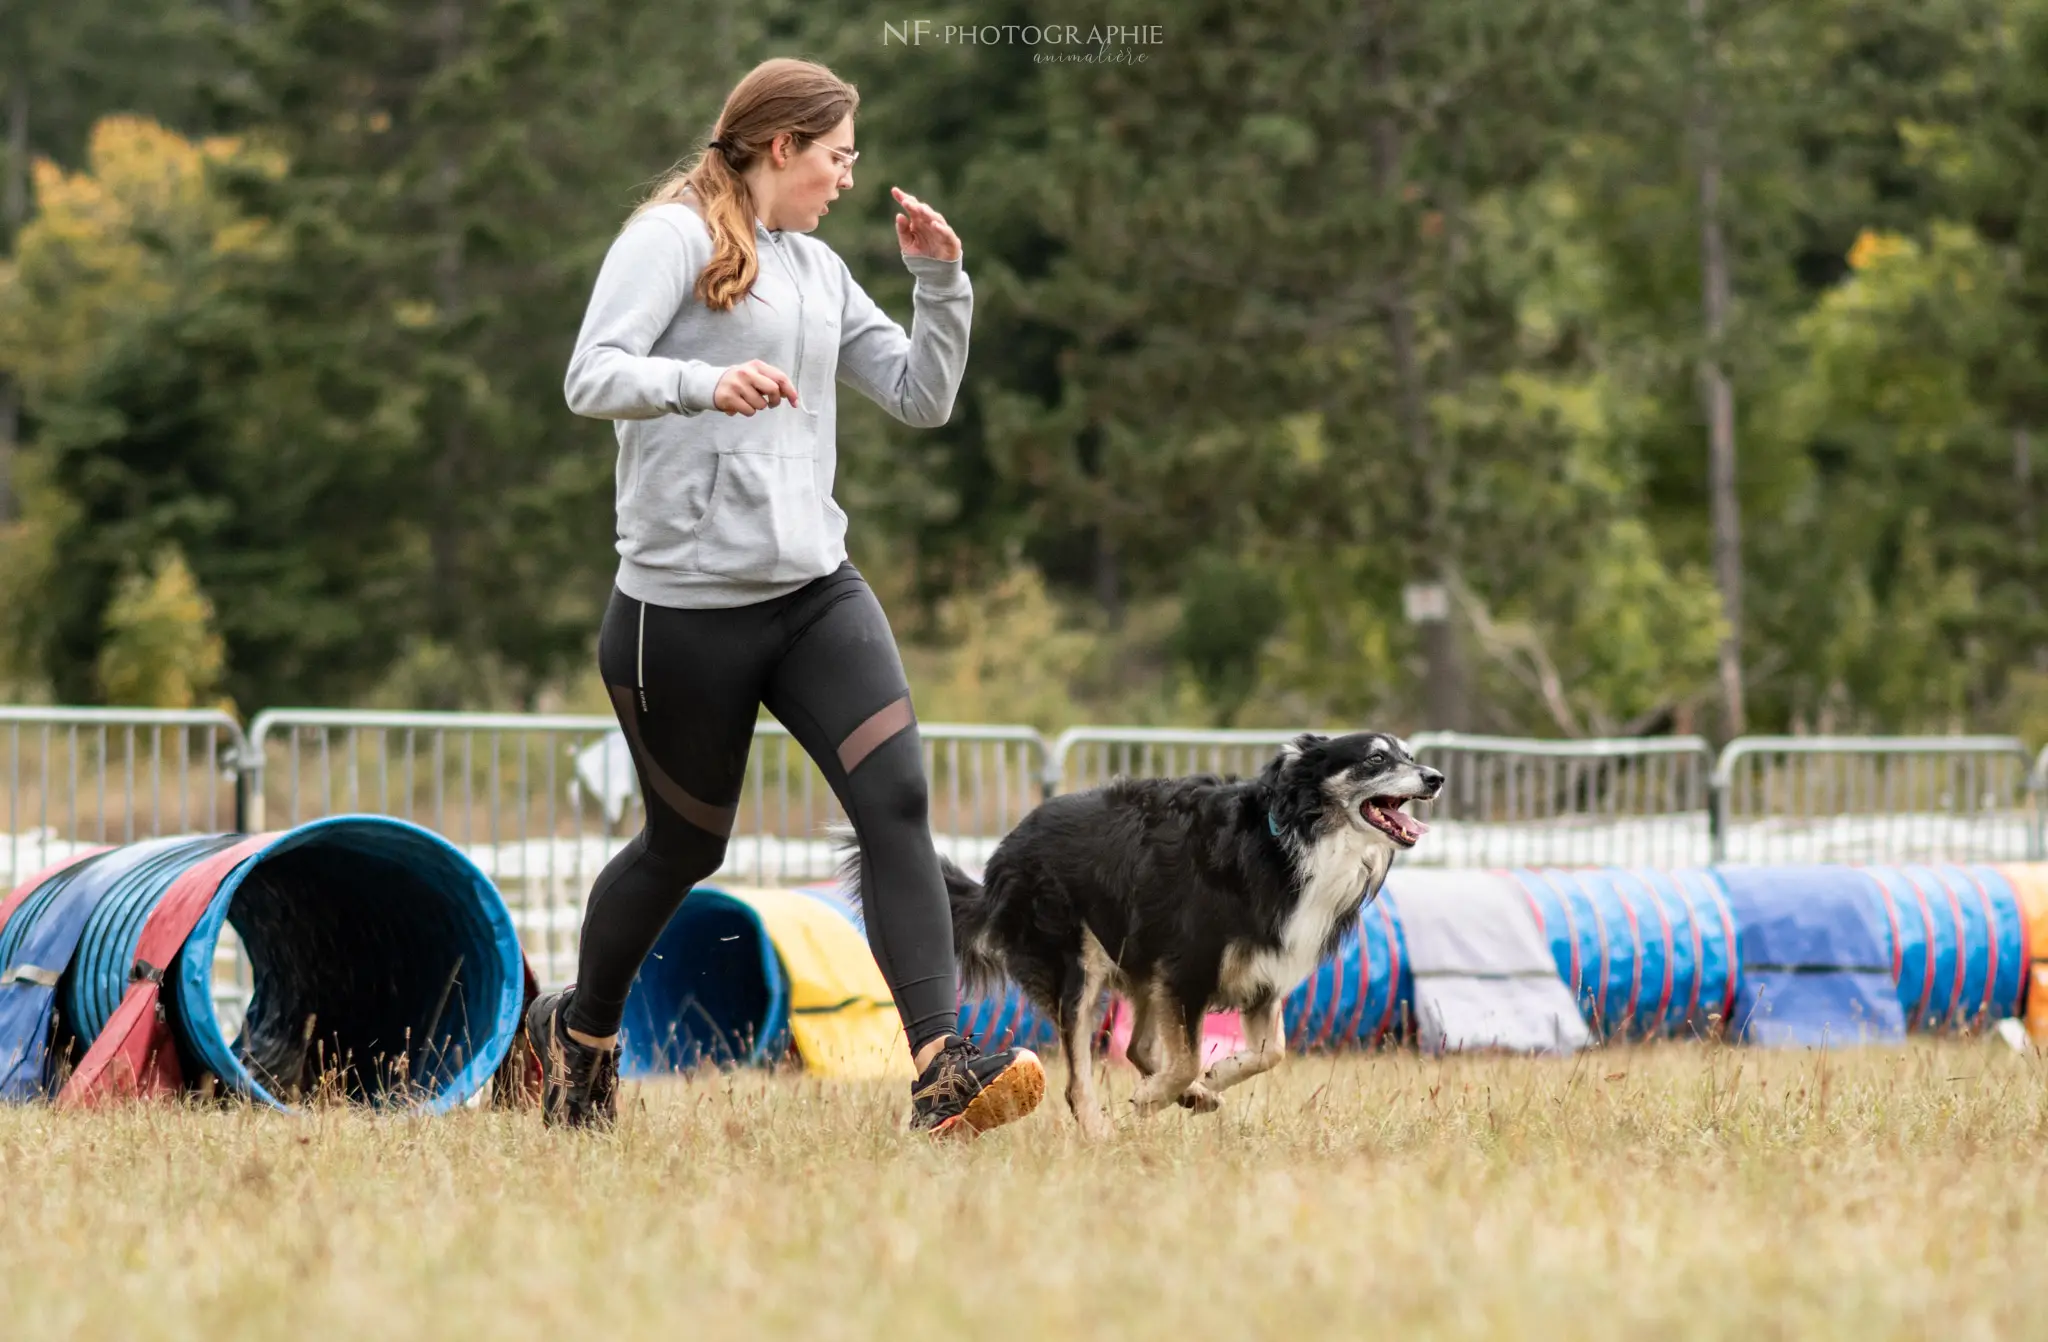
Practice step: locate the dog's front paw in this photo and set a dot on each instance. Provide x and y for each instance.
(1200, 1099)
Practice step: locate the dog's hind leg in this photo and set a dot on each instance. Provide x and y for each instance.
(1264, 1045)
(1143, 1050)
(1180, 1034)
(1080, 1000)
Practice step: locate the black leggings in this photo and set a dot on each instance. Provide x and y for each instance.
(686, 685)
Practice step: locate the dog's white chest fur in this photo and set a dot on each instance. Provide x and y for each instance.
(1340, 868)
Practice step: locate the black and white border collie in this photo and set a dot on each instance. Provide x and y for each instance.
(1186, 895)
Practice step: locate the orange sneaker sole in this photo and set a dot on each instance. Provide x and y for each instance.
(1010, 1095)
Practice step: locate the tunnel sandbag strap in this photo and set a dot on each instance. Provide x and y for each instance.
(134, 1056)
(844, 1004)
(1482, 972)
(36, 974)
(21, 892)
(841, 1016)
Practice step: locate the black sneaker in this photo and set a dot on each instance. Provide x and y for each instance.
(578, 1084)
(967, 1092)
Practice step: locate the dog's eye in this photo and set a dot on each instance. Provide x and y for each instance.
(1377, 757)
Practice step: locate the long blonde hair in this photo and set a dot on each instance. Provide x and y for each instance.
(782, 94)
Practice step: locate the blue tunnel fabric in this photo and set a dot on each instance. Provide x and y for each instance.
(1973, 947)
(43, 948)
(1711, 1001)
(384, 964)
(711, 991)
(1815, 957)
(1646, 953)
(2007, 929)
(1720, 956)
(1957, 942)
(1633, 960)
(1577, 934)
(1007, 1020)
(89, 999)
(1654, 975)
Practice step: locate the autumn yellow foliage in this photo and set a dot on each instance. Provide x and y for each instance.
(112, 240)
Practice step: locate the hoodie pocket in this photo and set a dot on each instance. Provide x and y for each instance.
(765, 522)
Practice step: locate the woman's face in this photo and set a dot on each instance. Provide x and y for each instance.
(812, 177)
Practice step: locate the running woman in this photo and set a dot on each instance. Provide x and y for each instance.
(715, 335)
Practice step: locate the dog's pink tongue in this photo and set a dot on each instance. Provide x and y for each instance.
(1411, 828)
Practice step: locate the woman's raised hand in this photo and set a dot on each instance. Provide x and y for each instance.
(922, 230)
(750, 386)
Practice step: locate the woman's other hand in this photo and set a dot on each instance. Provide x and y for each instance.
(922, 230)
(751, 386)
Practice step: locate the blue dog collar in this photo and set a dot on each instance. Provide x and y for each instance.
(1273, 824)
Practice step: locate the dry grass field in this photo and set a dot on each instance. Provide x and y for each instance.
(1683, 1191)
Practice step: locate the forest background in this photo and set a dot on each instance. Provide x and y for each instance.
(1564, 368)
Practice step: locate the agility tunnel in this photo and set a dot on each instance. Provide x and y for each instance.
(1799, 955)
(1645, 954)
(384, 968)
(758, 977)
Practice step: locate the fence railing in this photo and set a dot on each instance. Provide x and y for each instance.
(1876, 799)
(1509, 802)
(542, 802)
(72, 777)
(1085, 757)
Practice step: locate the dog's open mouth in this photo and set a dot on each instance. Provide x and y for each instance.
(1385, 815)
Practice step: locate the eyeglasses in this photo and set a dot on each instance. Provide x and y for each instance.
(845, 158)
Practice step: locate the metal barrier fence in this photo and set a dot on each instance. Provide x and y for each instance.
(1507, 801)
(79, 778)
(1085, 757)
(1876, 799)
(1517, 803)
(72, 778)
(542, 802)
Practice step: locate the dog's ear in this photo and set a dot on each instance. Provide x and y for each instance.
(1300, 743)
(1289, 752)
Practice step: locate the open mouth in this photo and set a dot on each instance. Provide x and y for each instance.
(1385, 815)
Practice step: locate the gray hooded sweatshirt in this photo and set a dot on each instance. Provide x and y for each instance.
(726, 510)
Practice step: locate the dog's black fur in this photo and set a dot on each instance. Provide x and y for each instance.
(1186, 895)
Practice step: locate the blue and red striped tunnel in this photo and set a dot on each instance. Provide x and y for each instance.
(384, 965)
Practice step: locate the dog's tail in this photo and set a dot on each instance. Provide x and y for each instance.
(981, 963)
